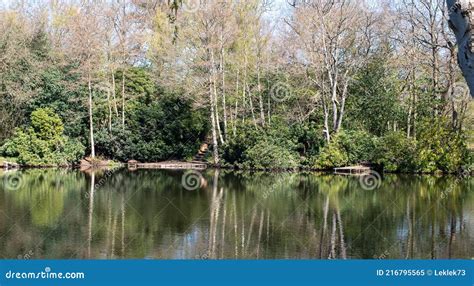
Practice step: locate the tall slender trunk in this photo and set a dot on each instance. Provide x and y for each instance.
(334, 105)
(236, 111)
(341, 115)
(327, 131)
(244, 95)
(123, 99)
(251, 107)
(260, 97)
(214, 90)
(109, 105)
(410, 110)
(224, 104)
(247, 90)
(269, 108)
(91, 123)
(114, 94)
(215, 145)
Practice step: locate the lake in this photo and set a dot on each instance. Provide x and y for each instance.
(153, 214)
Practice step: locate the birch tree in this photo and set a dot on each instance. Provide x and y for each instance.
(331, 46)
(83, 43)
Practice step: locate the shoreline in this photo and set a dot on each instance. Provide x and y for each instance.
(468, 173)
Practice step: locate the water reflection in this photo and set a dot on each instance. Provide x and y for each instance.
(148, 214)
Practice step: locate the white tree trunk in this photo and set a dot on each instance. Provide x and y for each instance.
(461, 21)
(91, 122)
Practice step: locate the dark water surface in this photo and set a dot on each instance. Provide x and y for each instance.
(157, 214)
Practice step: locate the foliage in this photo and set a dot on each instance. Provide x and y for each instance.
(396, 153)
(43, 143)
(373, 102)
(347, 147)
(164, 128)
(332, 155)
(153, 89)
(270, 147)
(268, 156)
(439, 148)
(246, 136)
(56, 90)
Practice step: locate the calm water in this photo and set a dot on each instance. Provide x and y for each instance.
(149, 214)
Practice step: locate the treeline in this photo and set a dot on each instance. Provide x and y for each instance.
(329, 83)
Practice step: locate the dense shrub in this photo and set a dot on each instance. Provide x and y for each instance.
(165, 128)
(332, 155)
(310, 139)
(265, 155)
(396, 153)
(270, 147)
(347, 147)
(43, 143)
(233, 152)
(440, 148)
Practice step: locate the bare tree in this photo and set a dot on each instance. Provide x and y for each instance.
(83, 43)
(331, 46)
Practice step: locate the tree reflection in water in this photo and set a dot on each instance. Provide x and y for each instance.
(122, 214)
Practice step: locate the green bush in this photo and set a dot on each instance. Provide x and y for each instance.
(162, 128)
(346, 148)
(265, 155)
(440, 148)
(233, 152)
(43, 143)
(396, 153)
(331, 156)
(271, 147)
